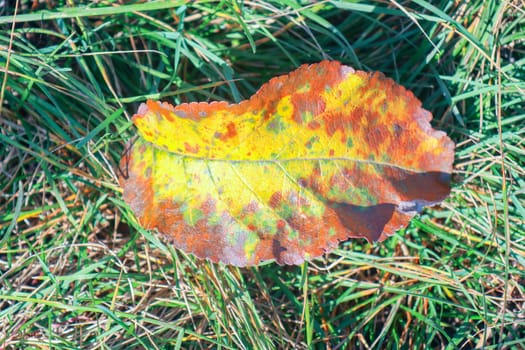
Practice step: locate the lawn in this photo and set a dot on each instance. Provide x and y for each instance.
(77, 270)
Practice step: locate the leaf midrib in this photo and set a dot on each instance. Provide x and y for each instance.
(278, 161)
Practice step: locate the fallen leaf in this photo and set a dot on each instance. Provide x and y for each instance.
(317, 156)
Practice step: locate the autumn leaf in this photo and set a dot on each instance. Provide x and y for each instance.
(317, 156)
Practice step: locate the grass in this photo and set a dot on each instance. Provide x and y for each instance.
(77, 271)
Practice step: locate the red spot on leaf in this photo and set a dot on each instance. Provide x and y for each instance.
(275, 200)
(209, 206)
(191, 149)
(231, 131)
(169, 117)
(314, 124)
(148, 133)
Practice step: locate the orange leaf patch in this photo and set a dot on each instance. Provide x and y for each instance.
(317, 156)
